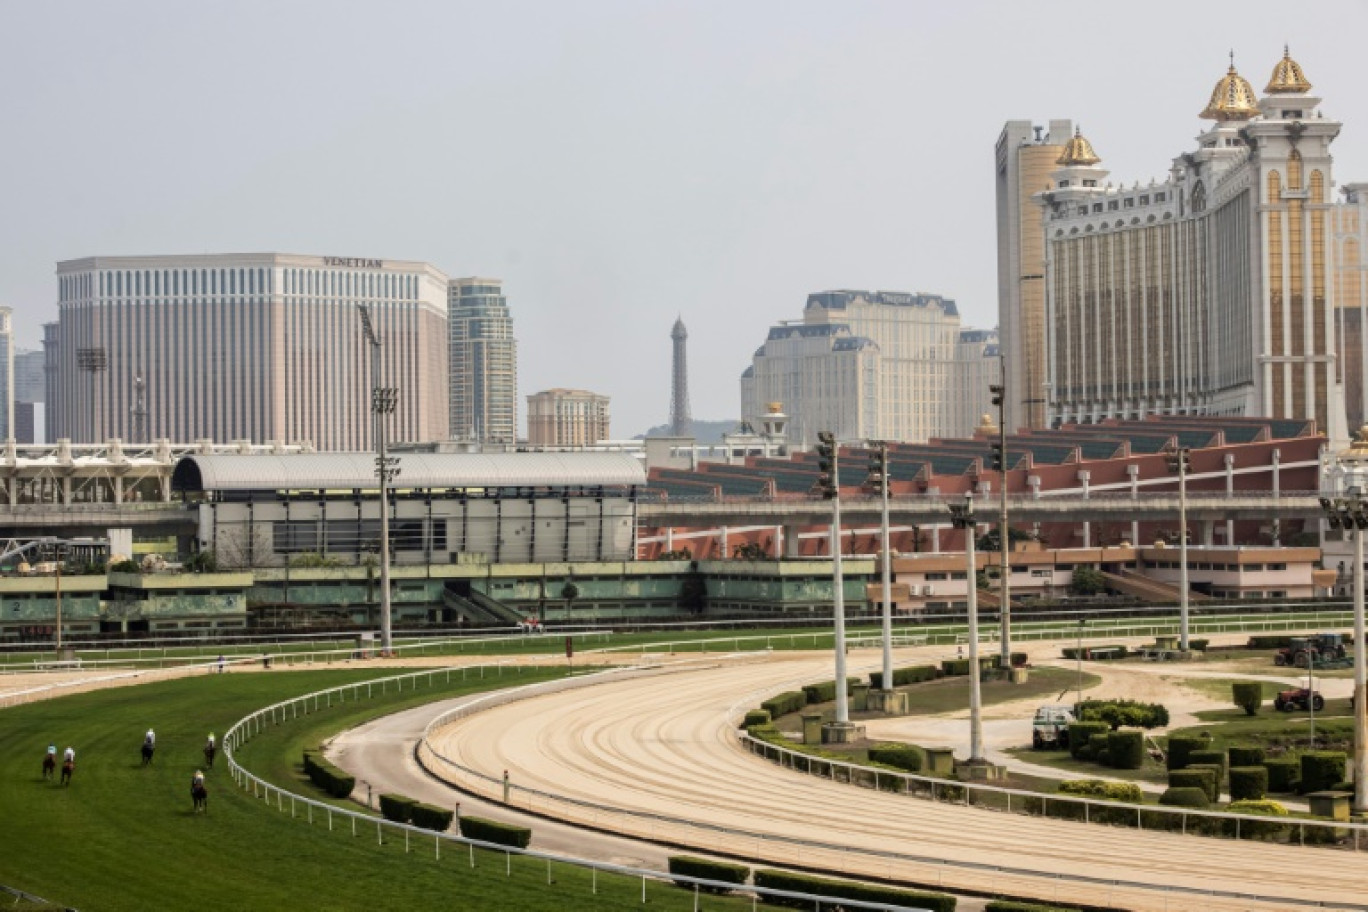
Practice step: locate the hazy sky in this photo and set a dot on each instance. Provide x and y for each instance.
(616, 163)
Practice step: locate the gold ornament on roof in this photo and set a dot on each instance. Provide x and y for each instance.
(1287, 77)
(1078, 151)
(1233, 98)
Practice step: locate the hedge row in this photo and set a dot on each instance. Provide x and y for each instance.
(951, 668)
(1257, 830)
(825, 692)
(900, 756)
(1117, 713)
(707, 869)
(1282, 640)
(1284, 773)
(844, 889)
(329, 778)
(1204, 779)
(431, 817)
(1080, 738)
(1248, 783)
(756, 717)
(914, 674)
(785, 703)
(1217, 777)
(1208, 757)
(1245, 756)
(1105, 789)
(1180, 748)
(485, 830)
(396, 807)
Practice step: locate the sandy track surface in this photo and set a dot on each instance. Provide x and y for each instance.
(664, 746)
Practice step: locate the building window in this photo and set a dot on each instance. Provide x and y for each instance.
(1112, 206)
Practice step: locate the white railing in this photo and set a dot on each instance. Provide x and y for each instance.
(312, 810)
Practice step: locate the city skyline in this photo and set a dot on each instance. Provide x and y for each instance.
(632, 164)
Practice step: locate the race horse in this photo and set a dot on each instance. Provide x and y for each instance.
(49, 765)
(147, 753)
(209, 752)
(200, 794)
(68, 767)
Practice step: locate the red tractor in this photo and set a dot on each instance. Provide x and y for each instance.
(1302, 651)
(1298, 698)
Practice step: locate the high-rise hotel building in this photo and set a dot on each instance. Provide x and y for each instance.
(263, 346)
(1210, 292)
(484, 363)
(872, 365)
(566, 418)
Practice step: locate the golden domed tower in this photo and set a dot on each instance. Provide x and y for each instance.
(1288, 77)
(1078, 151)
(1232, 99)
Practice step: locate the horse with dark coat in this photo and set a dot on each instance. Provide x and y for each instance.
(68, 767)
(49, 765)
(199, 793)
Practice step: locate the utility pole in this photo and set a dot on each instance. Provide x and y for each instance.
(962, 517)
(878, 480)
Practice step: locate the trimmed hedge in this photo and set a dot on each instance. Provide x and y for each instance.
(396, 807)
(1118, 713)
(825, 692)
(914, 674)
(845, 889)
(1283, 774)
(329, 778)
(1080, 738)
(756, 717)
(1321, 770)
(1108, 653)
(900, 756)
(485, 830)
(1198, 645)
(960, 667)
(1018, 659)
(1126, 749)
(1180, 748)
(1248, 695)
(1250, 829)
(1217, 777)
(706, 869)
(785, 703)
(1105, 789)
(1185, 797)
(1248, 783)
(1269, 641)
(430, 816)
(1245, 755)
(1204, 779)
(1208, 757)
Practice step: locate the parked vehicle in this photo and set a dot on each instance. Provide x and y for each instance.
(1298, 698)
(1050, 728)
(1323, 647)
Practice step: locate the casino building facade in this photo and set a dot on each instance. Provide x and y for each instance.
(259, 346)
(1210, 292)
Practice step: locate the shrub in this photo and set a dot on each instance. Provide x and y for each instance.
(1204, 779)
(1180, 748)
(1248, 783)
(1198, 645)
(1253, 829)
(1269, 641)
(484, 830)
(1248, 695)
(1117, 713)
(1245, 755)
(844, 889)
(1217, 777)
(396, 807)
(1018, 659)
(689, 866)
(1126, 749)
(785, 703)
(1080, 738)
(1176, 796)
(1105, 789)
(1321, 770)
(1208, 757)
(1097, 747)
(430, 817)
(125, 566)
(900, 756)
(915, 674)
(756, 717)
(1284, 773)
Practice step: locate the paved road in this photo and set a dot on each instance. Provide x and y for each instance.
(664, 746)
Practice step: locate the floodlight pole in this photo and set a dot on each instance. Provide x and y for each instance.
(1004, 533)
(962, 517)
(383, 401)
(1360, 690)
(838, 607)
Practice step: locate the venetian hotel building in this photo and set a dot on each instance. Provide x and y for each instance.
(258, 346)
(1209, 293)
